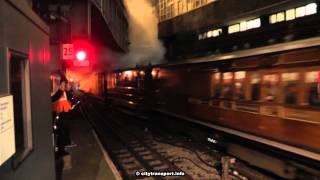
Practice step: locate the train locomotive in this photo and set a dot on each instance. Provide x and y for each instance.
(268, 95)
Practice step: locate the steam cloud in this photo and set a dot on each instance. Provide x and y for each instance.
(145, 47)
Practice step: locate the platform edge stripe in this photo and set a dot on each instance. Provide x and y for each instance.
(107, 158)
(292, 149)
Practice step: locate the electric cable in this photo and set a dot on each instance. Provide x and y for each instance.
(185, 158)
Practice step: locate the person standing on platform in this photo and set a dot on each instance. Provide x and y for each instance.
(71, 98)
(61, 106)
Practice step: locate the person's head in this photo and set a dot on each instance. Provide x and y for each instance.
(68, 86)
(63, 84)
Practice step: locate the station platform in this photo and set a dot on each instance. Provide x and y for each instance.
(87, 160)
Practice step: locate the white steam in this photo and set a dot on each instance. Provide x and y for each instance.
(145, 47)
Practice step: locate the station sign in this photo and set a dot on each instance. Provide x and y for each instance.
(67, 51)
(7, 135)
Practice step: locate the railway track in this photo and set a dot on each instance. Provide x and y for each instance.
(133, 155)
(137, 145)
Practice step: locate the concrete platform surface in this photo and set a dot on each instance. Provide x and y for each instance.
(88, 159)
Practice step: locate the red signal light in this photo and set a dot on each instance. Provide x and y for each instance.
(81, 55)
(84, 54)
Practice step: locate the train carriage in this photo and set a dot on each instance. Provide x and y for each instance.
(273, 97)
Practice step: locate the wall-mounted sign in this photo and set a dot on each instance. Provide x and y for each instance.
(7, 138)
(67, 51)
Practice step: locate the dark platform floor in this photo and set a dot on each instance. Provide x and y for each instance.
(87, 159)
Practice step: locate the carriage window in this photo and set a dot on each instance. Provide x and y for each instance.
(217, 86)
(128, 79)
(111, 81)
(227, 88)
(239, 85)
(290, 81)
(255, 87)
(271, 86)
(313, 80)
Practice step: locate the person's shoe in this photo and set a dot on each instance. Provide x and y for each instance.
(71, 145)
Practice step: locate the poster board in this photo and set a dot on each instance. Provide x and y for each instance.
(7, 135)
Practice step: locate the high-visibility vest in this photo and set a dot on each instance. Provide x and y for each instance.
(62, 104)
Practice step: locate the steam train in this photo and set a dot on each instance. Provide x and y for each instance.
(268, 95)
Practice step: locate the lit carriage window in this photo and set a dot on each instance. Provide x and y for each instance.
(217, 77)
(290, 81)
(311, 9)
(312, 80)
(227, 89)
(243, 26)
(255, 87)
(227, 77)
(217, 32)
(234, 28)
(271, 87)
(311, 77)
(280, 17)
(240, 75)
(273, 19)
(290, 14)
(239, 85)
(255, 23)
(209, 34)
(128, 75)
(204, 36)
(300, 11)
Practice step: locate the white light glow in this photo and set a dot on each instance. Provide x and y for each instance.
(311, 9)
(81, 55)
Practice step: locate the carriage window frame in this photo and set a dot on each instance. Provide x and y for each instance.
(257, 80)
(308, 85)
(19, 157)
(264, 86)
(231, 84)
(289, 78)
(217, 85)
(240, 77)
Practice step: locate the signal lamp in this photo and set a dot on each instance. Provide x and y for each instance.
(81, 55)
